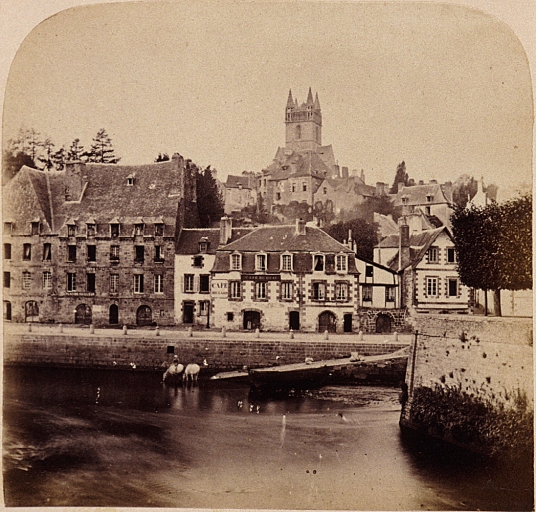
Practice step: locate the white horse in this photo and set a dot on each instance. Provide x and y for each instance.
(191, 372)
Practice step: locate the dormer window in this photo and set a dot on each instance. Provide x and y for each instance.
(8, 226)
(138, 229)
(286, 262)
(35, 227)
(159, 230)
(260, 262)
(130, 181)
(90, 230)
(405, 200)
(341, 263)
(429, 198)
(318, 262)
(203, 245)
(71, 230)
(236, 261)
(114, 230)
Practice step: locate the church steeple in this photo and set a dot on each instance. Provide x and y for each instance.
(317, 103)
(310, 97)
(303, 123)
(290, 101)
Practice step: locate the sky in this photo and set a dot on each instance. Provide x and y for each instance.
(444, 87)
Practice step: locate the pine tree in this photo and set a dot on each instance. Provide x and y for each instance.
(102, 150)
(401, 176)
(209, 199)
(75, 151)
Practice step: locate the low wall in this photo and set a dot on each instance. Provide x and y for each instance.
(150, 353)
(473, 359)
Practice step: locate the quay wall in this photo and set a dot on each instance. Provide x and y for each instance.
(155, 352)
(485, 359)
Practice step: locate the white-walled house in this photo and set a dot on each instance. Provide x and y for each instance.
(285, 277)
(378, 285)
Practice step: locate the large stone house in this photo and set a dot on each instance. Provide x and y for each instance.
(239, 192)
(95, 243)
(285, 277)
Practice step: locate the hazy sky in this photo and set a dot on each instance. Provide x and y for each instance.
(443, 87)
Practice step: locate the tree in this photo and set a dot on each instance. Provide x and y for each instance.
(162, 157)
(209, 199)
(12, 163)
(401, 176)
(75, 151)
(364, 233)
(464, 189)
(494, 246)
(46, 157)
(102, 150)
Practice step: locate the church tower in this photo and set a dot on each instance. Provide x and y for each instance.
(303, 124)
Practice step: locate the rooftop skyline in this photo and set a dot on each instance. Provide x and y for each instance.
(445, 88)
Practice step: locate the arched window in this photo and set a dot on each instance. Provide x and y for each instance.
(298, 132)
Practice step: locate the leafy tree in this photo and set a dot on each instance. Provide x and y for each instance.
(401, 176)
(162, 157)
(364, 233)
(463, 189)
(494, 246)
(12, 163)
(324, 212)
(102, 150)
(209, 199)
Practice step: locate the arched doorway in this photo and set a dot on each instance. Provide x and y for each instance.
(383, 323)
(114, 314)
(252, 320)
(83, 314)
(294, 320)
(327, 321)
(7, 310)
(31, 311)
(144, 316)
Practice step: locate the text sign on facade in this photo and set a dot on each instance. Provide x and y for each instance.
(261, 277)
(219, 288)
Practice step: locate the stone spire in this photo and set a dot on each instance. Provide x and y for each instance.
(310, 97)
(290, 101)
(317, 103)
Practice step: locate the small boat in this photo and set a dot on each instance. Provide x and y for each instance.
(307, 375)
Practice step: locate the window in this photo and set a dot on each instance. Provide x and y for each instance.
(8, 227)
(158, 253)
(451, 255)
(341, 291)
(90, 283)
(325, 190)
(235, 290)
(286, 262)
(7, 279)
(27, 252)
(114, 230)
(114, 253)
(138, 283)
(286, 290)
(204, 283)
(139, 255)
(130, 181)
(428, 210)
(188, 282)
(47, 280)
(341, 263)
(138, 229)
(318, 262)
(319, 291)
(158, 283)
(369, 271)
(90, 230)
(429, 198)
(198, 261)
(7, 251)
(35, 228)
(203, 246)
(304, 186)
(92, 253)
(453, 287)
(230, 316)
(203, 307)
(71, 253)
(114, 283)
(278, 196)
(261, 290)
(293, 187)
(71, 230)
(159, 230)
(404, 200)
(236, 261)
(390, 293)
(431, 286)
(298, 132)
(47, 252)
(26, 280)
(433, 255)
(260, 262)
(367, 293)
(71, 282)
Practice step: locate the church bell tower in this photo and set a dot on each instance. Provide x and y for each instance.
(303, 124)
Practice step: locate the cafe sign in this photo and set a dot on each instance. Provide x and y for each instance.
(218, 288)
(261, 277)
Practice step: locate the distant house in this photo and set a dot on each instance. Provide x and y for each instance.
(285, 277)
(240, 191)
(194, 259)
(95, 243)
(427, 261)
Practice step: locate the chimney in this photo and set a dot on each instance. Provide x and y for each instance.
(421, 182)
(403, 245)
(226, 226)
(73, 180)
(362, 175)
(345, 172)
(400, 186)
(300, 227)
(433, 182)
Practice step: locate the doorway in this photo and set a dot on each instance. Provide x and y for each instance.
(327, 321)
(348, 322)
(7, 310)
(114, 314)
(383, 323)
(188, 312)
(252, 320)
(144, 316)
(83, 314)
(294, 320)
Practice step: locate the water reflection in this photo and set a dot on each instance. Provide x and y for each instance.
(120, 438)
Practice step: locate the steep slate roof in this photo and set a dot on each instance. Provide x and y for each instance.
(416, 195)
(190, 238)
(307, 163)
(236, 181)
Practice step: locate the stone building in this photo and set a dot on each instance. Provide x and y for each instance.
(285, 277)
(95, 243)
(239, 192)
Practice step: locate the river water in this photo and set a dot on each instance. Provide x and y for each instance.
(118, 438)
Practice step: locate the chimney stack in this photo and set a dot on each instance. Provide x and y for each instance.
(403, 245)
(300, 227)
(226, 226)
